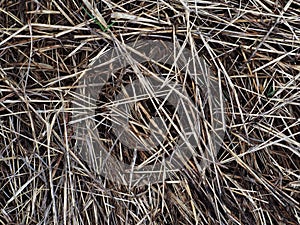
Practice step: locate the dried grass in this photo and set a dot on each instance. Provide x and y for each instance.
(253, 49)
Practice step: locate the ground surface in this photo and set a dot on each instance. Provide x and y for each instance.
(252, 48)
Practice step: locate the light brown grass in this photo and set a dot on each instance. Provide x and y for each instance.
(253, 50)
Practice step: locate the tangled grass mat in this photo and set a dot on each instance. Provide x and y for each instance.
(252, 49)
